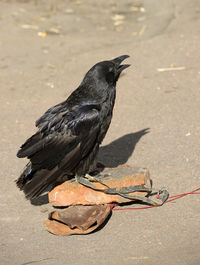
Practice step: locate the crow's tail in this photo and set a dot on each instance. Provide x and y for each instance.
(35, 183)
(25, 176)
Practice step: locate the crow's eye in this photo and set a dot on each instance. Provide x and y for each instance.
(110, 76)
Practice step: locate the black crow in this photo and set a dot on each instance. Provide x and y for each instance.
(69, 134)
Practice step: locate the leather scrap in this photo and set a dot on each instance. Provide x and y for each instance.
(77, 219)
(87, 209)
(72, 193)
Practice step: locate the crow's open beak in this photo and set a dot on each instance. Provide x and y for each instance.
(122, 67)
(117, 61)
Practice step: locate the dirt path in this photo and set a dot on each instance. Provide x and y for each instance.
(46, 48)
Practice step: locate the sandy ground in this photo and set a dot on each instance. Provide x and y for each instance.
(46, 48)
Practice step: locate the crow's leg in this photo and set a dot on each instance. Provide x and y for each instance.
(96, 168)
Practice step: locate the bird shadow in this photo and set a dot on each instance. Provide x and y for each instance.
(118, 152)
(112, 155)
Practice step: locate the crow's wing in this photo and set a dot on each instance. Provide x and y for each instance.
(62, 142)
(60, 132)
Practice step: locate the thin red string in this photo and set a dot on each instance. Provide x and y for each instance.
(170, 199)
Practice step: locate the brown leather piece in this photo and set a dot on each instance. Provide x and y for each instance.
(77, 219)
(72, 193)
(88, 209)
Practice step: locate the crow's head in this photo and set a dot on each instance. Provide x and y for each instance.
(108, 71)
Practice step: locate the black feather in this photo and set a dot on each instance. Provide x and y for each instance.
(25, 176)
(69, 134)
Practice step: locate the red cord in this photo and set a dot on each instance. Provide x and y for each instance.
(170, 199)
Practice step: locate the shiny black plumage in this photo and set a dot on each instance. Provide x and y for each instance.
(69, 134)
